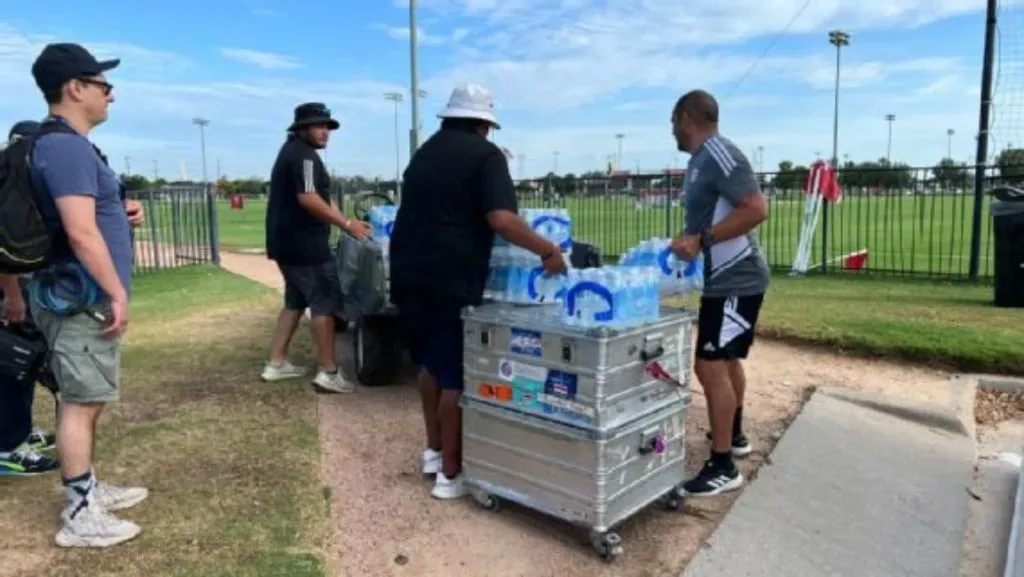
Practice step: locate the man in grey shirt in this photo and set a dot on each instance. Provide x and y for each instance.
(724, 204)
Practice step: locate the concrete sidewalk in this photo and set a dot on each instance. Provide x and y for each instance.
(850, 491)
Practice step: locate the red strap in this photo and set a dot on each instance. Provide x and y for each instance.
(655, 369)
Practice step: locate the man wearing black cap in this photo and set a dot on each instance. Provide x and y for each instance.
(299, 218)
(21, 446)
(79, 197)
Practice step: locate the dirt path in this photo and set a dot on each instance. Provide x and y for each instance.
(386, 523)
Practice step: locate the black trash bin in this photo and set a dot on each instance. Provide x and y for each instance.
(1008, 237)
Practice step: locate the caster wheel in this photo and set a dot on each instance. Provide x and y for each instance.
(609, 547)
(492, 504)
(673, 502)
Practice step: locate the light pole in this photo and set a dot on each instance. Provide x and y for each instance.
(760, 158)
(837, 38)
(414, 130)
(211, 204)
(949, 143)
(555, 163)
(618, 159)
(397, 98)
(890, 118)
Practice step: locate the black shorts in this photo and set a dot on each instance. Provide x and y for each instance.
(725, 327)
(433, 333)
(315, 287)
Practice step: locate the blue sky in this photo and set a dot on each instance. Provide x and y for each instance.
(567, 75)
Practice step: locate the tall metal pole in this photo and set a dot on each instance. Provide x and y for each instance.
(618, 159)
(414, 130)
(760, 158)
(888, 147)
(837, 38)
(211, 202)
(981, 158)
(949, 143)
(396, 97)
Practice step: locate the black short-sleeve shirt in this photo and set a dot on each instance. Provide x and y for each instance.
(294, 236)
(441, 243)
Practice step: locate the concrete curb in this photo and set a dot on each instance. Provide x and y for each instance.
(1001, 384)
(1015, 544)
(953, 419)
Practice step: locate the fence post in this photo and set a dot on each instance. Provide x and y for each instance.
(211, 203)
(154, 240)
(983, 124)
(668, 205)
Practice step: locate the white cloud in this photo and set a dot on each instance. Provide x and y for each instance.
(264, 60)
(424, 37)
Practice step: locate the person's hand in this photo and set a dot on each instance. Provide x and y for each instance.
(14, 309)
(136, 216)
(117, 323)
(358, 229)
(687, 247)
(554, 262)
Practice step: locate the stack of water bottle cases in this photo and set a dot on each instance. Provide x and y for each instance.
(577, 384)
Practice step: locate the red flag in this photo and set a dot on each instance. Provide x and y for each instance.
(821, 178)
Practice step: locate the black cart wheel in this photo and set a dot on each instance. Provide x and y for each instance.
(377, 350)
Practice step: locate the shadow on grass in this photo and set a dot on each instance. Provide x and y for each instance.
(232, 463)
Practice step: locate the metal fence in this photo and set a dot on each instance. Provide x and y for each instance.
(180, 228)
(909, 221)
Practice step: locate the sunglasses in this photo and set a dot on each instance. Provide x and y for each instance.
(106, 87)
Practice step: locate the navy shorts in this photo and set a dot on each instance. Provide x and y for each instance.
(433, 334)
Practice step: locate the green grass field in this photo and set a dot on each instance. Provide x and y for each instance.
(927, 235)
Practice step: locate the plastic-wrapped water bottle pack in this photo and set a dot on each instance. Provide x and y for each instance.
(675, 275)
(517, 276)
(611, 296)
(553, 224)
(382, 223)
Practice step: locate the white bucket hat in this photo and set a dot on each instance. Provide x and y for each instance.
(471, 101)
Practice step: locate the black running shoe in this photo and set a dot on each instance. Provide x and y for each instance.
(713, 480)
(740, 445)
(26, 462)
(42, 441)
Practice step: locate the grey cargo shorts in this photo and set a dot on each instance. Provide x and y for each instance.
(86, 366)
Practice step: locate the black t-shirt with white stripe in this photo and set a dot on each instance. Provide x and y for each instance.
(294, 236)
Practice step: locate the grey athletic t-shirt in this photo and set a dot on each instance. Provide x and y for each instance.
(717, 177)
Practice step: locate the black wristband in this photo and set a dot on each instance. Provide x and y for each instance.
(706, 239)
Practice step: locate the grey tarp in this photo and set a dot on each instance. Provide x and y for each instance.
(363, 280)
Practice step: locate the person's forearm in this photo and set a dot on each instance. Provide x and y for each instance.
(9, 285)
(317, 207)
(516, 231)
(739, 222)
(94, 255)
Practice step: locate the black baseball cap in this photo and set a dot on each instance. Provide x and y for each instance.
(61, 62)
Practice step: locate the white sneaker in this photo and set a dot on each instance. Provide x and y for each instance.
(285, 370)
(93, 526)
(445, 488)
(430, 462)
(333, 382)
(114, 498)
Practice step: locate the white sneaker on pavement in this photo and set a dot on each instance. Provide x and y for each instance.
(94, 526)
(333, 382)
(445, 488)
(430, 462)
(285, 370)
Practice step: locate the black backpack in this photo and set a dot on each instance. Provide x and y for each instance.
(26, 244)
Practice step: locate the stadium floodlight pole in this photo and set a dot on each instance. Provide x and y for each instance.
(618, 159)
(760, 158)
(397, 98)
(211, 204)
(837, 38)
(888, 147)
(414, 130)
(949, 143)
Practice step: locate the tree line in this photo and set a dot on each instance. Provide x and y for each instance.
(880, 173)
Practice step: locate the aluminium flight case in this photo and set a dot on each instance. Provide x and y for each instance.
(523, 357)
(591, 478)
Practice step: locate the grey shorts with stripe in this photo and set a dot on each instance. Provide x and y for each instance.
(315, 287)
(86, 366)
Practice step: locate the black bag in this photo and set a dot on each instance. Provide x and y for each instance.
(25, 242)
(23, 355)
(585, 255)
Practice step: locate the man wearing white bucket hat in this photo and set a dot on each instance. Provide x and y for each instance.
(458, 194)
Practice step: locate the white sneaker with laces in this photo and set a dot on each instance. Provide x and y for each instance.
(285, 370)
(430, 462)
(445, 488)
(333, 382)
(94, 526)
(113, 498)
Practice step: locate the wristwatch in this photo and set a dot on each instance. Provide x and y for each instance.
(706, 239)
